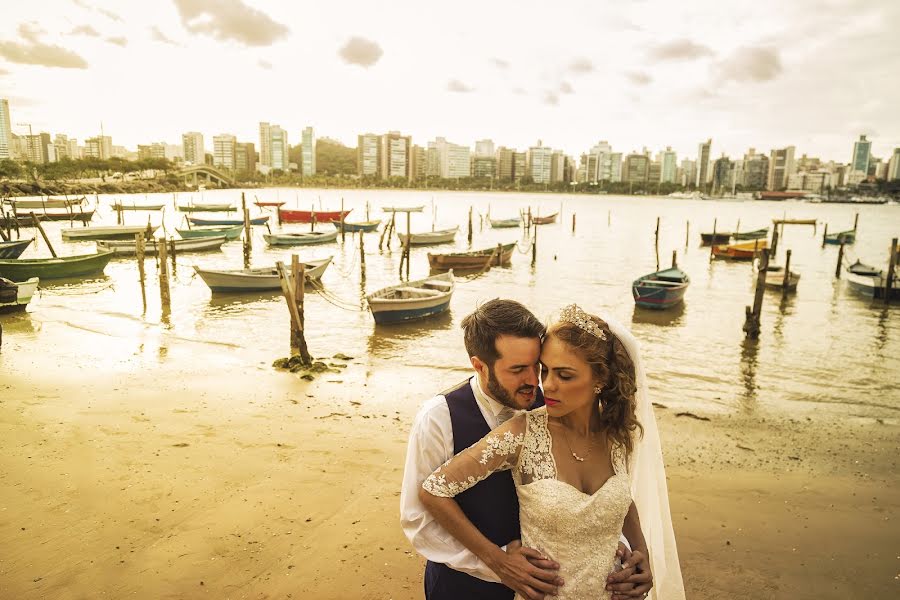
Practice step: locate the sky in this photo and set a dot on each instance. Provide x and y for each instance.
(637, 73)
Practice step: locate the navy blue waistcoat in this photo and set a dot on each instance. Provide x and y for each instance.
(492, 505)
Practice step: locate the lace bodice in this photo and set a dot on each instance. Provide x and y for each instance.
(578, 530)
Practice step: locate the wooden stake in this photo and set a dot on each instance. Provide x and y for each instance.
(533, 245)
(172, 249)
(824, 235)
(164, 293)
(687, 234)
(37, 223)
(342, 219)
(573, 222)
(362, 254)
(139, 254)
(674, 259)
(837, 269)
(855, 222)
(469, 237)
(296, 319)
(248, 238)
(608, 217)
(889, 280)
(787, 272)
(775, 238)
(751, 320)
(312, 218)
(712, 245)
(408, 242)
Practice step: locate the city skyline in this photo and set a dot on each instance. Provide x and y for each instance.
(813, 75)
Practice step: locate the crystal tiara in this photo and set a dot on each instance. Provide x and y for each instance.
(574, 315)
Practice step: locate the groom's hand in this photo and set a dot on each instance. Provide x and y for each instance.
(634, 580)
(531, 574)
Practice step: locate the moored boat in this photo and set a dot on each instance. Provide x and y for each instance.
(472, 260)
(412, 299)
(859, 268)
(441, 236)
(107, 232)
(358, 226)
(258, 279)
(16, 295)
(76, 215)
(204, 222)
(207, 207)
(290, 215)
(129, 247)
(742, 251)
(45, 203)
(545, 220)
(841, 237)
(776, 279)
(505, 223)
(661, 289)
(751, 235)
(302, 238)
(14, 249)
(231, 232)
(708, 239)
(873, 286)
(418, 208)
(134, 207)
(54, 268)
(270, 204)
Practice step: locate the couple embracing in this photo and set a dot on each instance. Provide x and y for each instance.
(541, 475)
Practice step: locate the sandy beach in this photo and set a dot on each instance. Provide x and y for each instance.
(153, 478)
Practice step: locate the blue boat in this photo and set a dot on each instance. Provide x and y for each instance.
(254, 221)
(842, 237)
(412, 299)
(359, 226)
(660, 290)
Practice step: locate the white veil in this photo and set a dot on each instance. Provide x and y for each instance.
(648, 482)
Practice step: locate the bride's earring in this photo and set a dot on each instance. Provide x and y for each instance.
(598, 389)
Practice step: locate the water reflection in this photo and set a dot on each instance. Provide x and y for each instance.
(670, 317)
(391, 341)
(749, 352)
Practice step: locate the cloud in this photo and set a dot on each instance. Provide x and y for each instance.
(518, 91)
(749, 64)
(500, 63)
(264, 64)
(581, 65)
(455, 85)
(230, 20)
(118, 41)
(108, 13)
(679, 50)
(159, 36)
(566, 88)
(34, 52)
(360, 51)
(551, 99)
(85, 30)
(638, 77)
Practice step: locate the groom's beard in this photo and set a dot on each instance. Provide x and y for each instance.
(499, 393)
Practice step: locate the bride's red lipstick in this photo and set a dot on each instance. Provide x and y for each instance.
(550, 401)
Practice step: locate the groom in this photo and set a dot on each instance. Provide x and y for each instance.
(503, 340)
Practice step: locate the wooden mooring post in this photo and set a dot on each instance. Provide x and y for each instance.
(824, 235)
(164, 292)
(139, 241)
(342, 220)
(712, 245)
(656, 243)
(787, 272)
(674, 259)
(37, 223)
(470, 226)
(855, 222)
(172, 256)
(573, 222)
(840, 260)
(889, 280)
(362, 254)
(294, 303)
(775, 237)
(751, 316)
(533, 245)
(687, 234)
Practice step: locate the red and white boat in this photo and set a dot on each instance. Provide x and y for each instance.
(289, 215)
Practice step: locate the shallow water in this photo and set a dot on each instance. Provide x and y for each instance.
(823, 348)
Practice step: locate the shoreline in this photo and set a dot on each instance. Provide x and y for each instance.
(156, 479)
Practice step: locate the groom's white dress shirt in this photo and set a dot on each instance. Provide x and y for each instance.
(430, 446)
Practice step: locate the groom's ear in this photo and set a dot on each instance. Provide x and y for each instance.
(479, 366)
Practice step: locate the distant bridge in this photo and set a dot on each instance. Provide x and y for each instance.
(195, 173)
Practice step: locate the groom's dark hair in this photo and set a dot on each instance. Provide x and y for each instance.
(495, 318)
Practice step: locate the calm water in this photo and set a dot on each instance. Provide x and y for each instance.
(823, 348)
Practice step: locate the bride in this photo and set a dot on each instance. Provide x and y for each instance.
(587, 466)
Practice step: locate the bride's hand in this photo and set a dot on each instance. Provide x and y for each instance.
(634, 580)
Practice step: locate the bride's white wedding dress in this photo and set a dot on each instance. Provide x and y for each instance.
(580, 531)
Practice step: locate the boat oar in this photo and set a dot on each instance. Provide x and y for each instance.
(37, 224)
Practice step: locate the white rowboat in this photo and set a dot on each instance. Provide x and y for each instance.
(256, 280)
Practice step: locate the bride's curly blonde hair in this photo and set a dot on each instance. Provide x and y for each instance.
(613, 366)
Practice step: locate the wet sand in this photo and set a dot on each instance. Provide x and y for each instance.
(147, 476)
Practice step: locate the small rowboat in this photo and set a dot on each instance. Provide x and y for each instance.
(24, 291)
(864, 270)
(475, 259)
(272, 203)
(107, 232)
(207, 207)
(408, 209)
(83, 216)
(872, 286)
(302, 238)
(842, 237)
(52, 268)
(504, 223)
(231, 232)
(14, 249)
(412, 299)
(742, 251)
(45, 203)
(662, 289)
(776, 280)
(306, 216)
(545, 220)
(256, 280)
(129, 248)
(441, 236)
(202, 222)
(793, 221)
(148, 207)
(708, 239)
(358, 226)
(751, 235)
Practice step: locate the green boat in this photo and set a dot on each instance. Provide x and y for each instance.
(230, 232)
(54, 268)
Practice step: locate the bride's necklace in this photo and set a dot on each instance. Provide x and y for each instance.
(569, 445)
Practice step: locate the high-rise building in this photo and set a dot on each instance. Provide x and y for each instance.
(394, 155)
(505, 163)
(224, 151)
(669, 161)
(703, 155)
(194, 152)
(558, 164)
(781, 167)
(599, 162)
(520, 165)
(99, 147)
(307, 152)
(755, 174)
(615, 166)
(453, 159)
(484, 166)
(273, 147)
(245, 157)
(156, 150)
(38, 148)
(5, 131)
(688, 172)
(368, 155)
(862, 152)
(654, 171)
(419, 163)
(636, 168)
(722, 174)
(540, 163)
(893, 172)
(484, 148)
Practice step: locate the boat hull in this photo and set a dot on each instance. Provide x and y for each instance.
(660, 290)
(471, 260)
(54, 268)
(300, 239)
(206, 208)
(82, 216)
(306, 216)
(230, 232)
(202, 222)
(429, 238)
(708, 239)
(505, 223)
(129, 248)
(255, 280)
(112, 232)
(412, 300)
(14, 249)
(361, 226)
(24, 292)
(411, 313)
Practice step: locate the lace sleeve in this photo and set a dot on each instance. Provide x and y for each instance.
(497, 451)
